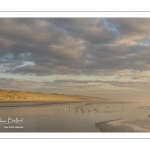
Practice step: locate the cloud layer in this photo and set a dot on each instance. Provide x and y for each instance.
(115, 48)
(73, 46)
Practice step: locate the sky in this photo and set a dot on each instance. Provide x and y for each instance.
(102, 57)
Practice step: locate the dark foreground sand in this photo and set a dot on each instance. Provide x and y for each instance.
(125, 125)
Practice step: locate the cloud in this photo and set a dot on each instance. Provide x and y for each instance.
(74, 46)
(135, 84)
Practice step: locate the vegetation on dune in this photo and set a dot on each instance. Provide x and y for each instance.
(34, 96)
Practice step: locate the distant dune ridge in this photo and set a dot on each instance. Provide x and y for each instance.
(6, 95)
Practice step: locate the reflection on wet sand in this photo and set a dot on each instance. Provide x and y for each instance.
(72, 117)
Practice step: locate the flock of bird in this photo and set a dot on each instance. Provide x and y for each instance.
(84, 108)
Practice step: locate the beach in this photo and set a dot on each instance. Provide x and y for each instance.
(46, 112)
(75, 117)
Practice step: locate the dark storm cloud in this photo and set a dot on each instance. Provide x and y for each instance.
(74, 46)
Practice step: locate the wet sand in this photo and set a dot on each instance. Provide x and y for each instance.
(83, 116)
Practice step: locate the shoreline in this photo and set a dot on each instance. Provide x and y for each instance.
(39, 103)
(105, 127)
(32, 103)
(97, 128)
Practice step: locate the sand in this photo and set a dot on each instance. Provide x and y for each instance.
(125, 125)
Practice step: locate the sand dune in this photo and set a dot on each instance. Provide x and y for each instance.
(36, 96)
